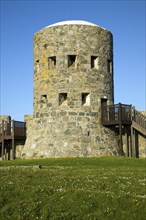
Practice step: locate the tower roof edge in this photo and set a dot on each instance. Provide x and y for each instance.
(73, 22)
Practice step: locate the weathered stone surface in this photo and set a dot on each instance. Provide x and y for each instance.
(71, 75)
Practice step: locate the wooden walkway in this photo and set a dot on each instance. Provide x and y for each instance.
(129, 122)
(10, 133)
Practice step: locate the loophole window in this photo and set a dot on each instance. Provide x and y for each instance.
(44, 97)
(94, 62)
(37, 65)
(85, 99)
(52, 62)
(109, 66)
(62, 98)
(71, 60)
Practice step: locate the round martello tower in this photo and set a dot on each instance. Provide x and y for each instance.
(73, 78)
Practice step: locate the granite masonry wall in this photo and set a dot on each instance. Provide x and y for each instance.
(73, 75)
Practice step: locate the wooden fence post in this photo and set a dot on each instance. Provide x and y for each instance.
(120, 129)
(127, 141)
(13, 140)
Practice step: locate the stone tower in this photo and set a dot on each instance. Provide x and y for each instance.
(73, 77)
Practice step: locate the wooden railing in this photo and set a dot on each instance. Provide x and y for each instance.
(139, 118)
(139, 122)
(115, 114)
(122, 114)
(15, 128)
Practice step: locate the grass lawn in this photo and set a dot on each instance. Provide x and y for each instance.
(111, 188)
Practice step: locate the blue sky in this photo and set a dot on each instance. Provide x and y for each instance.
(20, 20)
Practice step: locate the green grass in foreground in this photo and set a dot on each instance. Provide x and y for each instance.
(80, 188)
